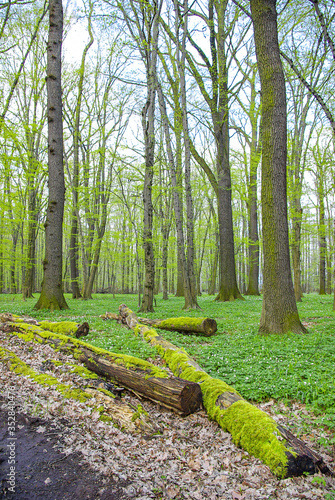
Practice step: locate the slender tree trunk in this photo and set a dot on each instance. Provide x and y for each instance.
(279, 310)
(253, 250)
(296, 252)
(148, 126)
(212, 284)
(190, 299)
(149, 260)
(253, 246)
(29, 280)
(181, 57)
(52, 290)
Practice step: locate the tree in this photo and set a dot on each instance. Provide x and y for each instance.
(279, 310)
(52, 296)
(143, 24)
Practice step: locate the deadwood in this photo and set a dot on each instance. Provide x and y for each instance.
(251, 428)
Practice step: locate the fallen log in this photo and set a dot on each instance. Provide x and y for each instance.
(251, 428)
(114, 410)
(202, 326)
(65, 327)
(133, 373)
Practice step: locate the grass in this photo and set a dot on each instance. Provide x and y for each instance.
(287, 367)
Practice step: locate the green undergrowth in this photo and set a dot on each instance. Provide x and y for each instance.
(287, 367)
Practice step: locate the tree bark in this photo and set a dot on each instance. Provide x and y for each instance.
(135, 374)
(279, 310)
(204, 326)
(234, 414)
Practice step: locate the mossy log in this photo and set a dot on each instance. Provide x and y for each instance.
(202, 326)
(64, 327)
(110, 409)
(251, 428)
(133, 373)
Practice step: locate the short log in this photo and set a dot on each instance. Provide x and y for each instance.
(201, 326)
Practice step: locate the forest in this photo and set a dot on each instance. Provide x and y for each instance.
(173, 160)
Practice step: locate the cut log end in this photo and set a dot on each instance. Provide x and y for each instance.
(209, 326)
(82, 330)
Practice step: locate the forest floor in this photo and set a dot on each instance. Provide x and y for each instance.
(63, 451)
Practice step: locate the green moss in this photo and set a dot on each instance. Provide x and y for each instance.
(21, 368)
(82, 371)
(107, 393)
(106, 418)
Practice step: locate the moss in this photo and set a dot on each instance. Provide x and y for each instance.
(83, 372)
(106, 418)
(139, 412)
(180, 322)
(21, 368)
(107, 393)
(37, 334)
(65, 327)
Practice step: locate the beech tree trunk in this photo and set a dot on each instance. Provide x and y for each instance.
(52, 290)
(279, 310)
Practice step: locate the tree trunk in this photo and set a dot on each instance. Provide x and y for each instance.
(279, 310)
(296, 252)
(148, 126)
(165, 249)
(253, 247)
(322, 237)
(190, 298)
(285, 455)
(212, 284)
(253, 276)
(204, 326)
(52, 290)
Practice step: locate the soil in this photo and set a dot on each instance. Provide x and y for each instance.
(43, 471)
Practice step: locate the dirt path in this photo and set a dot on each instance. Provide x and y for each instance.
(43, 471)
